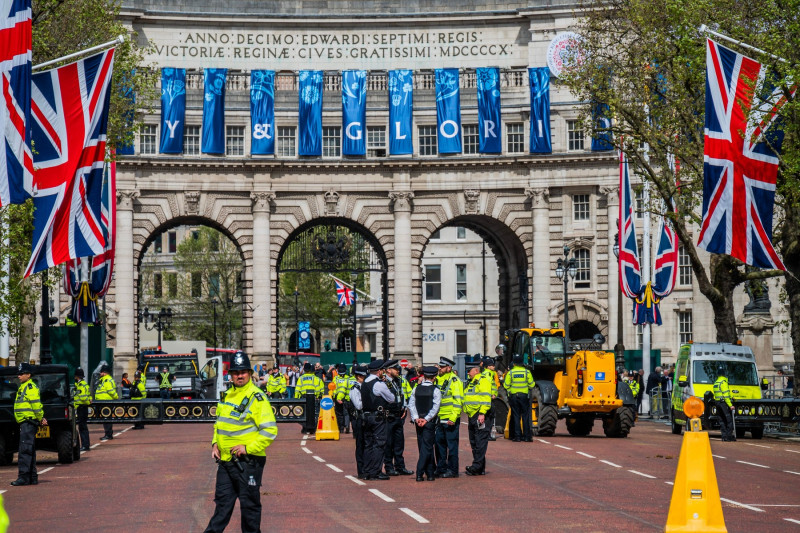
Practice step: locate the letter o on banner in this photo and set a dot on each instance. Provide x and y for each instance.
(444, 132)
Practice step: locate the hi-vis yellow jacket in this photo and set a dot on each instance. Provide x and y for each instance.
(244, 416)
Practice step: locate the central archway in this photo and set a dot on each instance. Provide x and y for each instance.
(316, 254)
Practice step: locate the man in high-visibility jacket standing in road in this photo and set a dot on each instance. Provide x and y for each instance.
(165, 380)
(245, 427)
(490, 374)
(518, 383)
(722, 396)
(477, 402)
(309, 383)
(449, 419)
(29, 415)
(138, 393)
(106, 390)
(81, 401)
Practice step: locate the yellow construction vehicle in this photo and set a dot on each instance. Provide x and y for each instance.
(578, 386)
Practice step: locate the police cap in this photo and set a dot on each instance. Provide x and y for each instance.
(103, 367)
(341, 368)
(307, 367)
(430, 371)
(392, 363)
(444, 361)
(488, 361)
(471, 364)
(722, 371)
(518, 359)
(24, 368)
(79, 373)
(360, 370)
(376, 365)
(240, 361)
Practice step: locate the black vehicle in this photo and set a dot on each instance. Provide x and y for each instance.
(60, 434)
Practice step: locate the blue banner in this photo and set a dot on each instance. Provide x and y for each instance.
(262, 112)
(401, 104)
(214, 111)
(126, 91)
(448, 111)
(309, 117)
(354, 112)
(601, 140)
(173, 109)
(489, 124)
(540, 110)
(304, 335)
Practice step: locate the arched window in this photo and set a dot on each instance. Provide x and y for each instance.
(583, 278)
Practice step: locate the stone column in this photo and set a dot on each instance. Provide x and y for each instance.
(540, 255)
(262, 277)
(125, 352)
(755, 331)
(401, 305)
(614, 296)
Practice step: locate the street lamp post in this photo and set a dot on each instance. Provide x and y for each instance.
(619, 348)
(566, 269)
(354, 279)
(296, 323)
(214, 306)
(159, 321)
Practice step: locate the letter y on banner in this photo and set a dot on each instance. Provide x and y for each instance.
(173, 109)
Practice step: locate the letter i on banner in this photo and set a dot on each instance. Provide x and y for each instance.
(540, 110)
(354, 112)
(448, 111)
(491, 139)
(173, 109)
(214, 111)
(401, 104)
(262, 112)
(309, 117)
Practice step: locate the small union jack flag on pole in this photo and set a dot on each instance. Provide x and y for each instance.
(740, 169)
(16, 164)
(69, 118)
(345, 294)
(630, 276)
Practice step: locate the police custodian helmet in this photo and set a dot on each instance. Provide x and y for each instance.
(240, 361)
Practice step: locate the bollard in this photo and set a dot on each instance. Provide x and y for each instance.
(327, 428)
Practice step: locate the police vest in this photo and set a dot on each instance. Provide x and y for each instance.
(369, 400)
(138, 390)
(423, 399)
(721, 390)
(396, 388)
(82, 396)
(28, 404)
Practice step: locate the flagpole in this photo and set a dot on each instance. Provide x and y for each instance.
(647, 274)
(704, 29)
(109, 44)
(4, 336)
(84, 277)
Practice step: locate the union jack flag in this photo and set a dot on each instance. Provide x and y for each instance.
(630, 275)
(69, 117)
(16, 165)
(740, 170)
(666, 262)
(346, 295)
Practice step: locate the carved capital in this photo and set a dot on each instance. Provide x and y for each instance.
(540, 198)
(125, 199)
(611, 194)
(401, 199)
(262, 200)
(331, 202)
(471, 200)
(191, 201)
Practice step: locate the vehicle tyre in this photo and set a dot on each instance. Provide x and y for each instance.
(64, 447)
(676, 428)
(580, 425)
(620, 424)
(757, 432)
(545, 417)
(6, 458)
(740, 433)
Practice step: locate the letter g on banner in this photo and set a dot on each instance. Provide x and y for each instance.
(354, 111)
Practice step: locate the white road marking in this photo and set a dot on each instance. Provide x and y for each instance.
(465, 423)
(664, 430)
(46, 470)
(726, 500)
(641, 474)
(609, 463)
(2, 491)
(318, 458)
(118, 434)
(793, 451)
(306, 450)
(126, 429)
(587, 455)
(542, 440)
(560, 446)
(334, 468)
(775, 505)
(415, 516)
(95, 445)
(305, 437)
(752, 464)
(302, 443)
(669, 482)
(759, 445)
(717, 456)
(381, 495)
(355, 480)
(790, 472)
(792, 520)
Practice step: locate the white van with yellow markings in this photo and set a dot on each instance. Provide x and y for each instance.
(695, 374)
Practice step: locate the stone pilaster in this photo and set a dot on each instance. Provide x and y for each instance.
(125, 352)
(403, 312)
(261, 275)
(540, 260)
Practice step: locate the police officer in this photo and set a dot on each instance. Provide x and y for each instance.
(393, 461)
(518, 382)
(423, 406)
(276, 384)
(340, 396)
(360, 373)
(722, 396)
(106, 390)
(245, 427)
(376, 400)
(477, 401)
(490, 374)
(309, 383)
(449, 419)
(81, 401)
(165, 380)
(29, 415)
(138, 393)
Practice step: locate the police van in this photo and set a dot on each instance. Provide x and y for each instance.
(696, 371)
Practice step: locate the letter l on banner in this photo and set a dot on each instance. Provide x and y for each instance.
(401, 104)
(448, 111)
(173, 109)
(354, 112)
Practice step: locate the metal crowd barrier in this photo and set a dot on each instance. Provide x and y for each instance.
(156, 411)
(660, 402)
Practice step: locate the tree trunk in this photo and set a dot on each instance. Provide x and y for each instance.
(790, 250)
(25, 339)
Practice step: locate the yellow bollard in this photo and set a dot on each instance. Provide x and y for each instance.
(695, 504)
(508, 422)
(327, 428)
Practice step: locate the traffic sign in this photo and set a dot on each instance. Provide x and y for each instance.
(404, 363)
(326, 404)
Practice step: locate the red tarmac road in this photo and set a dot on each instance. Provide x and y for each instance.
(162, 480)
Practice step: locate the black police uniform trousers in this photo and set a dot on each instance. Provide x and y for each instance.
(520, 410)
(27, 451)
(338, 409)
(479, 442)
(374, 443)
(426, 441)
(447, 447)
(108, 430)
(244, 484)
(358, 434)
(82, 413)
(725, 420)
(395, 444)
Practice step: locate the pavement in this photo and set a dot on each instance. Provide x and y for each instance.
(161, 479)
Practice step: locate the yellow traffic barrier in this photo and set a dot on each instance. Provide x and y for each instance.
(508, 423)
(695, 504)
(327, 428)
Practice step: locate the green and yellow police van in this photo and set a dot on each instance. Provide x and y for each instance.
(695, 373)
